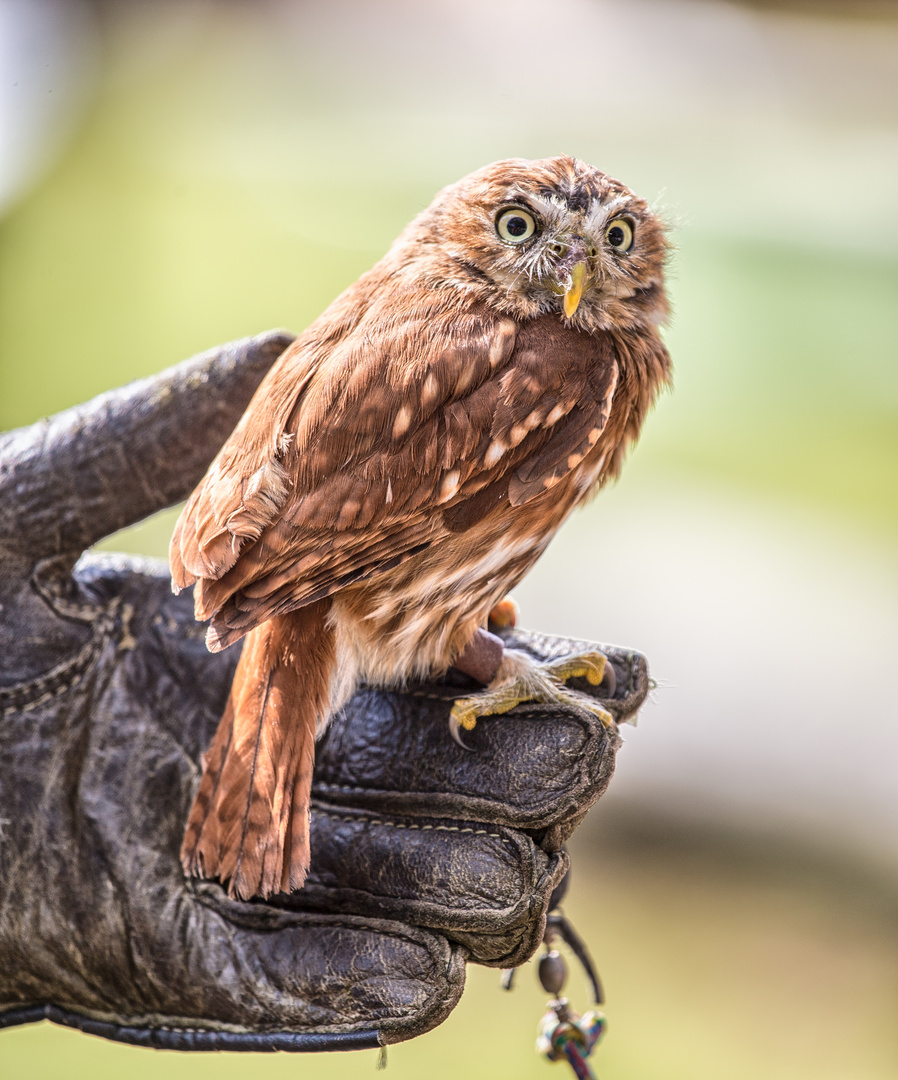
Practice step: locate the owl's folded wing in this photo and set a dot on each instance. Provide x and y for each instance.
(355, 456)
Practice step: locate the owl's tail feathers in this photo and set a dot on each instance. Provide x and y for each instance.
(249, 824)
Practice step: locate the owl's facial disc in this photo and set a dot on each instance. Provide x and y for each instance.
(554, 236)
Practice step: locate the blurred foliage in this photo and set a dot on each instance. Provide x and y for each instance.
(114, 267)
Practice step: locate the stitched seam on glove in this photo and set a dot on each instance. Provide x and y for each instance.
(65, 676)
(519, 710)
(401, 825)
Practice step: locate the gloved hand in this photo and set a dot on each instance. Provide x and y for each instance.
(423, 855)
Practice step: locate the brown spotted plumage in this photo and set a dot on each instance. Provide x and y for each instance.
(403, 465)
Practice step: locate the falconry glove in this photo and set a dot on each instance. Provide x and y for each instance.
(424, 855)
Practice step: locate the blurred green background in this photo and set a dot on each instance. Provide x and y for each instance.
(173, 175)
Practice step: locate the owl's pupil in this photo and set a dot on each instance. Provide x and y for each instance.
(516, 226)
(616, 236)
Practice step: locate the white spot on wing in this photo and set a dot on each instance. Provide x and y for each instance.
(494, 453)
(449, 486)
(431, 389)
(402, 422)
(556, 414)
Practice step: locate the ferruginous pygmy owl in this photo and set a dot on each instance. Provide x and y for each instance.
(401, 467)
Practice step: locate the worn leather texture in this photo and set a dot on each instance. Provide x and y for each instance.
(424, 856)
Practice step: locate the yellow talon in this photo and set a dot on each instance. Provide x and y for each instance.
(466, 719)
(543, 683)
(590, 666)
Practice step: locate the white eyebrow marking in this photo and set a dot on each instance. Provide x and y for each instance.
(552, 208)
(600, 212)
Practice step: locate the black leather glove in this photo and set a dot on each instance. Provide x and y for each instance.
(423, 855)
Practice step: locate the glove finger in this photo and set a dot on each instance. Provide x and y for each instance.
(537, 768)
(223, 975)
(484, 886)
(67, 482)
(256, 968)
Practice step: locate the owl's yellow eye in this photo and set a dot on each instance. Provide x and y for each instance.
(515, 226)
(619, 234)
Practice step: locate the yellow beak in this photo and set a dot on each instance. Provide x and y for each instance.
(574, 290)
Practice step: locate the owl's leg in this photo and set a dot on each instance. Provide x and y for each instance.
(519, 678)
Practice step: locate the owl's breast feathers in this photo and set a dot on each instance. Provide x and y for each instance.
(407, 440)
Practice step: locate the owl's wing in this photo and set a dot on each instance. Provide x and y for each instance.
(403, 432)
(246, 485)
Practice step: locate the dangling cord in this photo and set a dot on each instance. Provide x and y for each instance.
(563, 1035)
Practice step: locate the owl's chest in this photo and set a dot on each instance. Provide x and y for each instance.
(420, 614)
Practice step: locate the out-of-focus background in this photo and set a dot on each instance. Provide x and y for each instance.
(173, 175)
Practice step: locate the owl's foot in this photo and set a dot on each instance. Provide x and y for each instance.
(520, 678)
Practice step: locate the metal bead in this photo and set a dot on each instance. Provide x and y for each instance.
(552, 971)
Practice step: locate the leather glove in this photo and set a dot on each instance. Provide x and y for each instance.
(424, 856)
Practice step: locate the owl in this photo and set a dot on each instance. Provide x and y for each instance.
(400, 468)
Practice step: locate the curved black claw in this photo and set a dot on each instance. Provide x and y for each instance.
(609, 680)
(455, 732)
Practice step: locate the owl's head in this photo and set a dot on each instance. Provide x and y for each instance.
(550, 235)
